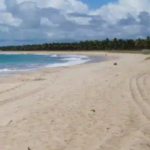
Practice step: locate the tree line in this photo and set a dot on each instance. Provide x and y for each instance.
(107, 44)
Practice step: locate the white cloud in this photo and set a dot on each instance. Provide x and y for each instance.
(63, 20)
(47, 22)
(7, 19)
(65, 5)
(2, 5)
(113, 12)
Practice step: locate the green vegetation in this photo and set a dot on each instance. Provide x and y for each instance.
(146, 52)
(115, 45)
(148, 58)
(125, 51)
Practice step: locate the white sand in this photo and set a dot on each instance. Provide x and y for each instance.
(95, 106)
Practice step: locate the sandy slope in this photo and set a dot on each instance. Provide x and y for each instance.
(95, 106)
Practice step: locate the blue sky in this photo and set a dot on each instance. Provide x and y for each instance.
(40, 21)
(94, 4)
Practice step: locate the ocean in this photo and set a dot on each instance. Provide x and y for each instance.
(15, 62)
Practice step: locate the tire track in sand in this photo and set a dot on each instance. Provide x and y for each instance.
(142, 87)
(16, 87)
(22, 96)
(138, 96)
(27, 94)
(11, 89)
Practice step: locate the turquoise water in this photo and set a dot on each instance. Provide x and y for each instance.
(28, 62)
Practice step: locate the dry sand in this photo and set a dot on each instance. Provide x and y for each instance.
(96, 106)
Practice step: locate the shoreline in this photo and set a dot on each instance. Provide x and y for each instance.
(93, 59)
(89, 106)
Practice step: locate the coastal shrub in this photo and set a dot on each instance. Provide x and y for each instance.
(148, 58)
(146, 51)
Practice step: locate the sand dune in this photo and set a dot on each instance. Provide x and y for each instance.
(96, 106)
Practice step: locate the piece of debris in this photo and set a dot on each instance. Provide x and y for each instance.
(38, 79)
(9, 122)
(93, 110)
(148, 145)
(107, 129)
(115, 64)
(29, 148)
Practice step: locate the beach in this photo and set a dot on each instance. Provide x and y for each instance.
(92, 106)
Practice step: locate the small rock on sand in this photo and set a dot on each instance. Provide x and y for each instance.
(93, 110)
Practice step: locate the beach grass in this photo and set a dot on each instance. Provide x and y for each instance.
(148, 58)
(125, 51)
(146, 52)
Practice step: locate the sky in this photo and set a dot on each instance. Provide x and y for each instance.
(95, 4)
(45, 21)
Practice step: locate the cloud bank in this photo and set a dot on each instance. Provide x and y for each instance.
(39, 21)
